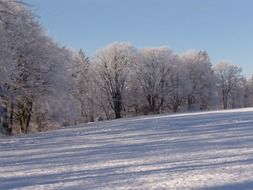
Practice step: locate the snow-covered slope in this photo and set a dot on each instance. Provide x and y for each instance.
(209, 150)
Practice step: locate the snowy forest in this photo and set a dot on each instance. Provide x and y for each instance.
(45, 86)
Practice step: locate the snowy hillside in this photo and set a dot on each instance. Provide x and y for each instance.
(212, 150)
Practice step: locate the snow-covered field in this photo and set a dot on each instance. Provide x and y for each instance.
(209, 150)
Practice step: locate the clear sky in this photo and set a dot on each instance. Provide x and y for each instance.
(224, 28)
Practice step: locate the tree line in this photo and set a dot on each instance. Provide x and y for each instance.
(122, 81)
(44, 85)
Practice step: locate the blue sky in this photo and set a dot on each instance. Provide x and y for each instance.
(221, 27)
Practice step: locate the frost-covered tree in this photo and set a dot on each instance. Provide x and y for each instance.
(200, 79)
(228, 78)
(112, 73)
(242, 95)
(179, 85)
(30, 63)
(248, 96)
(12, 18)
(135, 101)
(41, 81)
(83, 87)
(8, 16)
(153, 67)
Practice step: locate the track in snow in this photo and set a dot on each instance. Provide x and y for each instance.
(210, 150)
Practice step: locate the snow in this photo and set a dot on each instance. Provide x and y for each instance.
(207, 150)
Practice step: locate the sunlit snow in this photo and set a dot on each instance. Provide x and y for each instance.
(208, 150)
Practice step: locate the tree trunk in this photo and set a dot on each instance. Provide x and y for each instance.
(175, 107)
(225, 101)
(11, 112)
(190, 102)
(24, 114)
(5, 120)
(117, 105)
(29, 115)
(152, 103)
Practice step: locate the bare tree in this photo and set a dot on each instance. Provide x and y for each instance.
(228, 76)
(179, 85)
(200, 79)
(153, 66)
(112, 67)
(83, 87)
(248, 95)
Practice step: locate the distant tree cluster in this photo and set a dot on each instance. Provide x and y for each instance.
(124, 81)
(43, 84)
